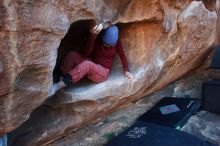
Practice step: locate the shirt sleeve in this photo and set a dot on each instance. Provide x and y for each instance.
(90, 45)
(122, 56)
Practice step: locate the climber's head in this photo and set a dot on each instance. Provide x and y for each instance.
(110, 36)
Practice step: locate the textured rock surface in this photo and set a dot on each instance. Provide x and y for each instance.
(207, 127)
(45, 122)
(217, 41)
(163, 39)
(30, 33)
(99, 133)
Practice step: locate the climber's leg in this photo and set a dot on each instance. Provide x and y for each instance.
(93, 71)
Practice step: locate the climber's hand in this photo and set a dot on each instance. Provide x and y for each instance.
(129, 75)
(96, 29)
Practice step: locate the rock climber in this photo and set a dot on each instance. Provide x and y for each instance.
(96, 60)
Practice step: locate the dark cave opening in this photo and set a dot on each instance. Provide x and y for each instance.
(75, 40)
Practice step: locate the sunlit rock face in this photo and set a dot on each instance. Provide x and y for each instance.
(163, 40)
(217, 41)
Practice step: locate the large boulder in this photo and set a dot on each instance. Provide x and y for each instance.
(163, 40)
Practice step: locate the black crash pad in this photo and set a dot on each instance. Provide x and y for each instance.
(172, 112)
(211, 96)
(148, 134)
(215, 62)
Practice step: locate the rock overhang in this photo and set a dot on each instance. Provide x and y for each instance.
(168, 44)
